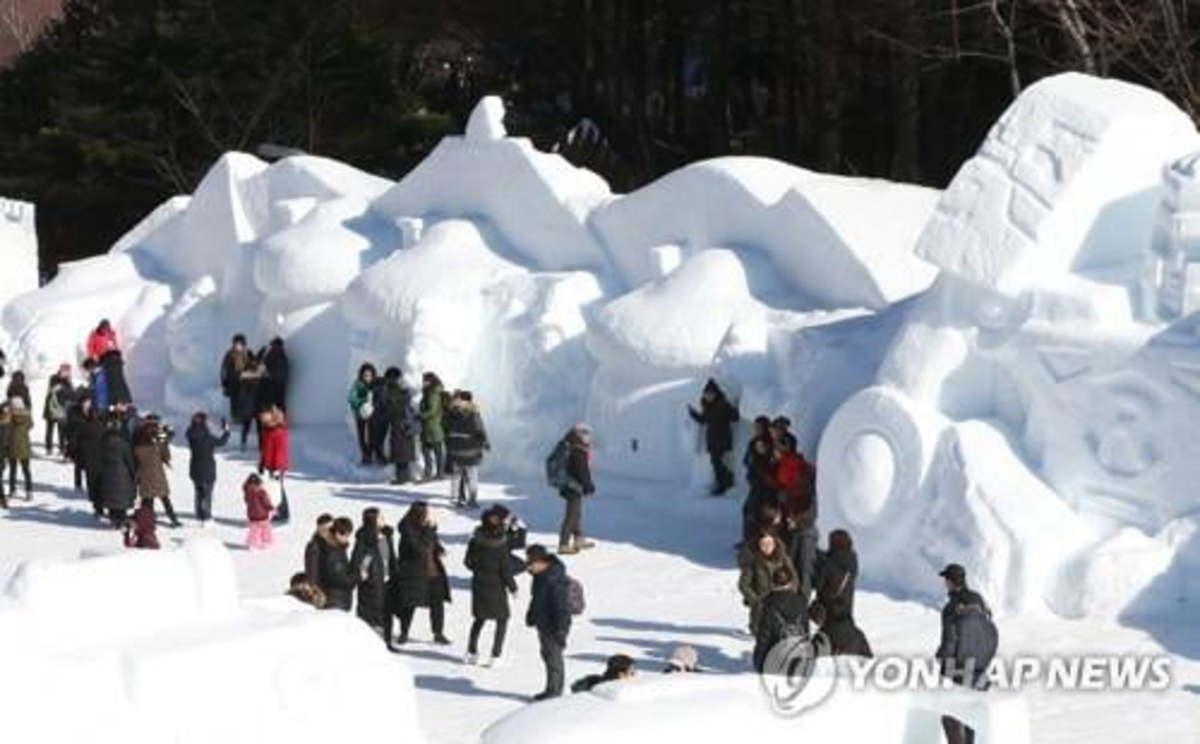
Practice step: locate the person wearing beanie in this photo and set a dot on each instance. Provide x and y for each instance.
(577, 484)
(968, 644)
(550, 613)
(683, 659)
(717, 415)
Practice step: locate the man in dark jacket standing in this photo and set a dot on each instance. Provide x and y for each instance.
(717, 415)
(549, 612)
(577, 485)
(203, 465)
(968, 644)
(86, 450)
(315, 548)
(337, 577)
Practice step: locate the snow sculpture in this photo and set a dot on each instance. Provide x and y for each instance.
(18, 249)
(805, 228)
(162, 625)
(1173, 262)
(1019, 368)
(1068, 178)
(487, 120)
(1025, 334)
(537, 202)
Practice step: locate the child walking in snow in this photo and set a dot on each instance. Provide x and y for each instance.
(258, 513)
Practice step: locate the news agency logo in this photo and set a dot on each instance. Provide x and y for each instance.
(794, 680)
(790, 677)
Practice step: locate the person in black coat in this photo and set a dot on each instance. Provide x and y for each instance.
(550, 613)
(337, 576)
(833, 609)
(118, 483)
(784, 616)
(968, 644)
(420, 576)
(717, 415)
(489, 561)
(466, 441)
(314, 549)
(578, 486)
(403, 425)
(203, 466)
(86, 436)
(273, 388)
(374, 563)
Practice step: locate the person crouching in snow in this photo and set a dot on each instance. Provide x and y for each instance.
(141, 530)
(258, 514)
(619, 668)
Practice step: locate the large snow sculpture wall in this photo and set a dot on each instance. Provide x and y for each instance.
(1030, 333)
(946, 350)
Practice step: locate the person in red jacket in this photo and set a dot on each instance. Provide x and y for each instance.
(795, 480)
(274, 457)
(101, 341)
(258, 514)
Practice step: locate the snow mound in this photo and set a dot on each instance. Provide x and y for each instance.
(678, 322)
(537, 201)
(807, 227)
(1069, 177)
(308, 176)
(324, 251)
(161, 626)
(706, 708)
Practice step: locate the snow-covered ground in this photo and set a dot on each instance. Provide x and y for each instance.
(662, 574)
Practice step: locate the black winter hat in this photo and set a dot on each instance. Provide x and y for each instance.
(954, 572)
(537, 553)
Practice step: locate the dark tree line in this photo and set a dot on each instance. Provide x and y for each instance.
(124, 102)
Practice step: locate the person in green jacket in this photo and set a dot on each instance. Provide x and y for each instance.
(19, 449)
(433, 433)
(361, 408)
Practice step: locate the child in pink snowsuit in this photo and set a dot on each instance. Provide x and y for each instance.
(258, 513)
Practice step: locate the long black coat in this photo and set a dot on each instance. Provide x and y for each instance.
(117, 472)
(780, 609)
(718, 416)
(85, 445)
(203, 465)
(337, 578)
(420, 575)
(373, 551)
(403, 421)
(490, 565)
(273, 388)
(835, 595)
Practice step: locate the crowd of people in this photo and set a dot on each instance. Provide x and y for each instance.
(792, 588)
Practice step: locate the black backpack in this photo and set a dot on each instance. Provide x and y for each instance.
(557, 476)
